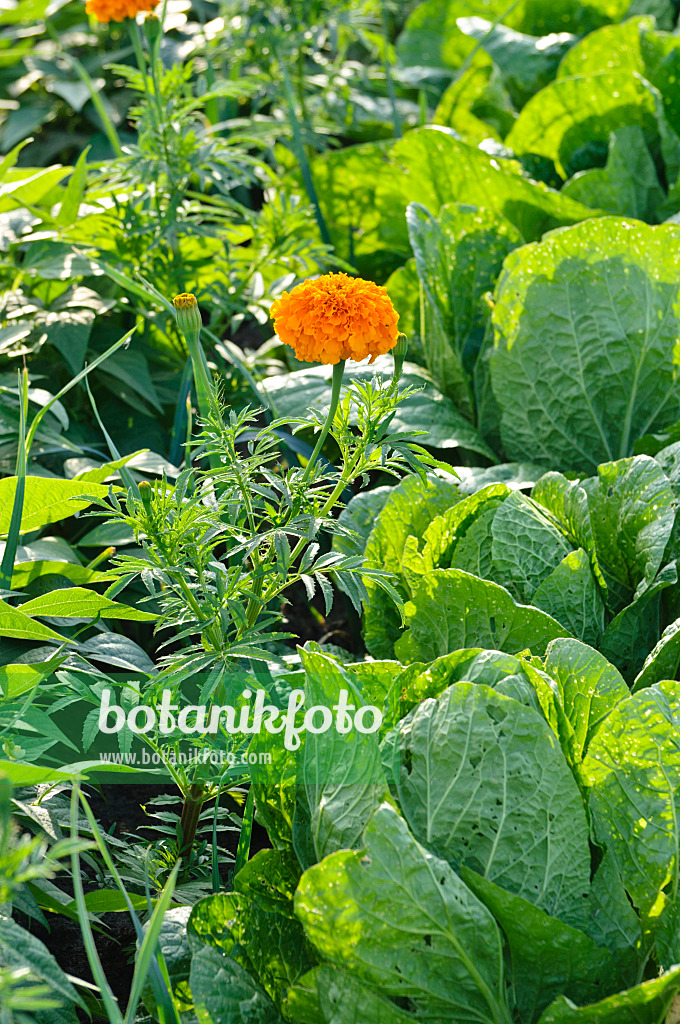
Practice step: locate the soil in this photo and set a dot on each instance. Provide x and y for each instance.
(118, 809)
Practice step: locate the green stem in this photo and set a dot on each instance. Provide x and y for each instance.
(188, 823)
(201, 373)
(338, 371)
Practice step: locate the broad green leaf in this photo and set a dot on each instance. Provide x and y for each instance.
(526, 546)
(32, 775)
(633, 633)
(77, 602)
(572, 596)
(346, 181)
(633, 773)
(585, 324)
(431, 36)
(459, 254)
(100, 473)
(117, 650)
(69, 331)
(476, 105)
(428, 410)
(18, 679)
(590, 687)
(502, 672)
(341, 772)
(628, 185)
(359, 516)
(129, 365)
(647, 1003)
(28, 185)
(59, 261)
(570, 121)
(15, 623)
(47, 500)
(452, 609)
(110, 901)
(612, 47)
(402, 921)
(224, 991)
(613, 922)
(26, 573)
(528, 63)
(327, 994)
(662, 662)
(632, 511)
(403, 288)
(547, 956)
(271, 877)
(461, 537)
(266, 941)
(438, 168)
(375, 679)
(410, 508)
(567, 503)
(479, 773)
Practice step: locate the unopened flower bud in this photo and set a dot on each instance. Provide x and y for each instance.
(145, 494)
(399, 352)
(187, 313)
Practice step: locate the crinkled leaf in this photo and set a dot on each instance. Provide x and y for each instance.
(572, 596)
(633, 773)
(570, 121)
(628, 185)
(589, 686)
(224, 991)
(585, 327)
(459, 254)
(646, 1003)
(547, 956)
(526, 546)
(410, 508)
(480, 772)
(452, 609)
(401, 920)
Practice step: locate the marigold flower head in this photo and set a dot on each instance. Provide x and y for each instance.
(336, 317)
(118, 10)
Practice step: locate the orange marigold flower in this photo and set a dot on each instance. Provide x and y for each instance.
(118, 10)
(336, 317)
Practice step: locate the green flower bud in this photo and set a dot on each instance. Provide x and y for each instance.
(145, 494)
(187, 313)
(399, 352)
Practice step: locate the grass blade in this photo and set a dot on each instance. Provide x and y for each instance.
(9, 554)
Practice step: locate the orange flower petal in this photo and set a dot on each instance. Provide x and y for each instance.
(334, 317)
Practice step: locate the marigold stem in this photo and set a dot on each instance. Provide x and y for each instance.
(338, 373)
